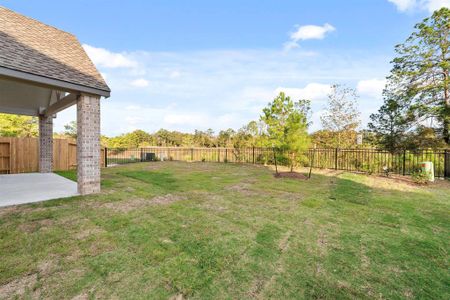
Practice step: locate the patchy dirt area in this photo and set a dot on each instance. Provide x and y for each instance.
(409, 180)
(18, 287)
(35, 225)
(293, 175)
(136, 203)
(167, 199)
(242, 188)
(85, 233)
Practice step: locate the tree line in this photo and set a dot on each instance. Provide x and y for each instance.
(415, 111)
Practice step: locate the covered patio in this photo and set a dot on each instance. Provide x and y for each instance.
(43, 71)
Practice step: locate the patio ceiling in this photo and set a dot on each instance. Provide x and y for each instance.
(23, 98)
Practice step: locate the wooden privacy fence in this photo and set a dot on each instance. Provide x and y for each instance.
(21, 155)
(361, 160)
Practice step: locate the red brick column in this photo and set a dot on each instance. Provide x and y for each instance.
(45, 144)
(88, 144)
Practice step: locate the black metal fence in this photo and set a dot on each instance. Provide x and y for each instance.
(360, 160)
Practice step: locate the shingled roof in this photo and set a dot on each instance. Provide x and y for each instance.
(31, 47)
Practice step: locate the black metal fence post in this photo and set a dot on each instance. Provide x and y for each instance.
(404, 162)
(275, 159)
(446, 163)
(106, 157)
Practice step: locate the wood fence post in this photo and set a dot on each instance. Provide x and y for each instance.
(218, 154)
(253, 154)
(192, 154)
(226, 155)
(336, 158)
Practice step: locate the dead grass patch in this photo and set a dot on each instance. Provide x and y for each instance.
(125, 205)
(213, 207)
(34, 226)
(136, 203)
(48, 266)
(291, 196)
(256, 288)
(365, 261)
(292, 175)
(283, 244)
(74, 256)
(18, 287)
(177, 297)
(167, 199)
(83, 296)
(242, 188)
(84, 233)
(5, 211)
(322, 242)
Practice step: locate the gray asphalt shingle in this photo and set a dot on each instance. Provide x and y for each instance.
(30, 46)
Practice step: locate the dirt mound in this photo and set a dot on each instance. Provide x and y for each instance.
(293, 175)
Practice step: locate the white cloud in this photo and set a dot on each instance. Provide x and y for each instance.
(308, 32)
(107, 59)
(433, 5)
(187, 119)
(429, 5)
(222, 89)
(404, 5)
(311, 32)
(140, 82)
(312, 91)
(132, 107)
(174, 74)
(372, 88)
(131, 120)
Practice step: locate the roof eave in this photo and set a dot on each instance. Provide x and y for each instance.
(50, 82)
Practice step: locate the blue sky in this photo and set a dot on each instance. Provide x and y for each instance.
(188, 65)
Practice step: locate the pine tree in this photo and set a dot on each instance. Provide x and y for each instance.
(421, 71)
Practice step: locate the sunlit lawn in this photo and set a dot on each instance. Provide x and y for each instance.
(228, 231)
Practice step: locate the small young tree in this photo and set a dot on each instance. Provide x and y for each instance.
(287, 126)
(390, 123)
(342, 115)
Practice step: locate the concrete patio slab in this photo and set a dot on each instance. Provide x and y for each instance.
(34, 187)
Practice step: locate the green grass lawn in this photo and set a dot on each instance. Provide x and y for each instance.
(228, 231)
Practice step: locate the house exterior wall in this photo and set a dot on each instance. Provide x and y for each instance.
(88, 144)
(45, 144)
